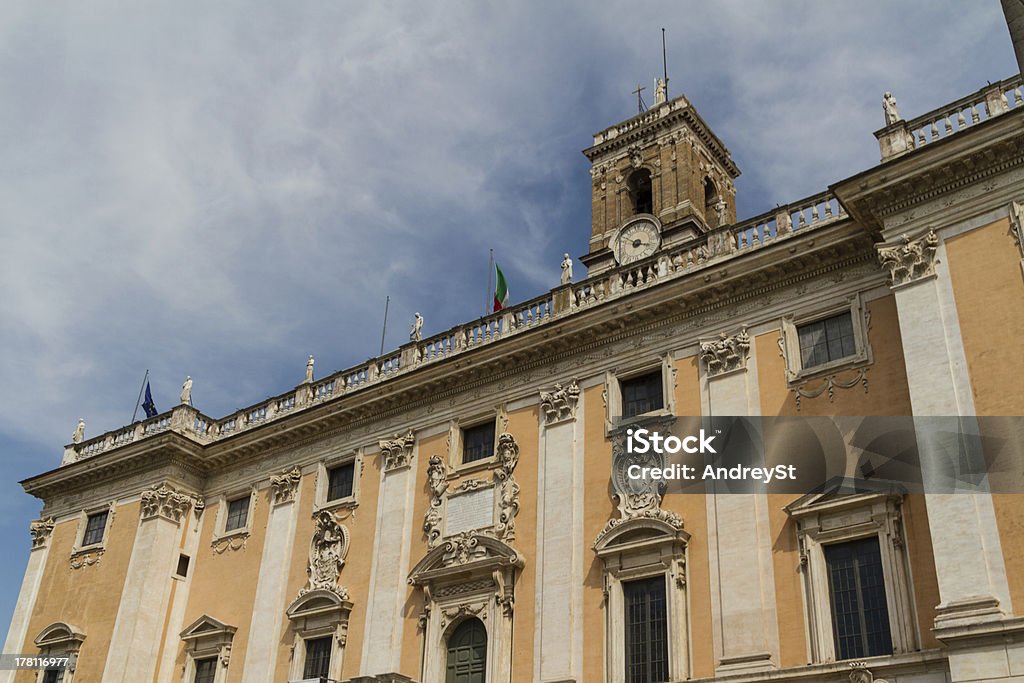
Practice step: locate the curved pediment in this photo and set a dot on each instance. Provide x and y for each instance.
(59, 633)
(318, 602)
(640, 531)
(464, 554)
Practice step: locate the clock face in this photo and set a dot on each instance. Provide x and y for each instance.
(636, 241)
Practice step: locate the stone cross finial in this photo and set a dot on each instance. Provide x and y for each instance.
(186, 392)
(566, 269)
(79, 433)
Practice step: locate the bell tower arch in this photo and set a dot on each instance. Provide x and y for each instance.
(665, 164)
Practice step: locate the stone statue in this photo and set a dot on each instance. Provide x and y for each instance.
(79, 432)
(720, 212)
(660, 91)
(417, 329)
(566, 270)
(892, 115)
(186, 392)
(309, 369)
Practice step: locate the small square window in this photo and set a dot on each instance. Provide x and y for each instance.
(95, 525)
(339, 481)
(478, 442)
(183, 562)
(642, 394)
(238, 514)
(206, 670)
(825, 341)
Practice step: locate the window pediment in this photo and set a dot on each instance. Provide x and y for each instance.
(60, 634)
(319, 603)
(206, 626)
(463, 555)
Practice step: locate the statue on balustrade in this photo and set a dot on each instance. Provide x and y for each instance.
(309, 369)
(79, 432)
(566, 270)
(892, 115)
(417, 329)
(186, 392)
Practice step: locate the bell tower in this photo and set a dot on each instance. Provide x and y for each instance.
(659, 179)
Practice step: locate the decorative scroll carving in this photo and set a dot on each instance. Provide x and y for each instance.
(163, 501)
(437, 481)
(1017, 225)
(860, 673)
(86, 558)
(910, 260)
(508, 493)
(560, 404)
(462, 549)
(477, 609)
(285, 485)
(327, 551)
(397, 452)
(233, 542)
(41, 530)
(829, 384)
(470, 485)
(726, 354)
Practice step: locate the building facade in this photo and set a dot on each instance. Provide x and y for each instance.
(446, 512)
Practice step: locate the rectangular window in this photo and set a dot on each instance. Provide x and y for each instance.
(318, 658)
(478, 442)
(642, 394)
(860, 615)
(182, 569)
(646, 631)
(339, 481)
(53, 676)
(238, 514)
(206, 669)
(826, 340)
(95, 525)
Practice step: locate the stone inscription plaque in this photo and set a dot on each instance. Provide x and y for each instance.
(470, 510)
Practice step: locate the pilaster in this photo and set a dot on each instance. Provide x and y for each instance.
(41, 531)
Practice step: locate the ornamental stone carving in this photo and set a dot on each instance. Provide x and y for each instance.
(725, 354)
(508, 491)
(327, 551)
(284, 486)
(860, 673)
(639, 498)
(508, 455)
(462, 549)
(164, 501)
(560, 404)
(397, 452)
(41, 530)
(911, 259)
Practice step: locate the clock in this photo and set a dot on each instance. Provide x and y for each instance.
(636, 240)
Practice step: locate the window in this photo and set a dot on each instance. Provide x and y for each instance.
(467, 653)
(860, 615)
(206, 670)
(646, 630)
(94, 528)
(642, 394)
(238, 514)
(826, 340)
(182, 570)
(478, 442)
(640, 194)
(318, 658)
(54, 676)
(339, 481)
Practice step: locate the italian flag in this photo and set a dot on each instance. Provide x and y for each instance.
(500, 290)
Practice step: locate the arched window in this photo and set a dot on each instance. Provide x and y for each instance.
(467, 653)
(639, 186)
(710, 201)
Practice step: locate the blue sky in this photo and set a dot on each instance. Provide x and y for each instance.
(221, 190)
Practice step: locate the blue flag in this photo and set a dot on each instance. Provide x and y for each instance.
(148, 404)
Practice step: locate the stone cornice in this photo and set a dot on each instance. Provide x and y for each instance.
(646, 311)
(982, 151)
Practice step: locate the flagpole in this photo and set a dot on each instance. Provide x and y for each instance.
(490, 296)
(139, 401)
(385, 328)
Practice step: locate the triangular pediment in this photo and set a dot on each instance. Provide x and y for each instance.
(206, 626)
(844, 490)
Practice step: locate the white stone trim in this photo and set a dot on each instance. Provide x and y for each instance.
(220, 533)
(860, 319)
(613, 387)
(207, 638)
(90, 554)
(323, 468)
(317, 614)
(457, 427)
(838, 519)
(25, 605)
(168, 670)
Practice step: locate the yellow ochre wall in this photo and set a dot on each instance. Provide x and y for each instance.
(87, 597)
